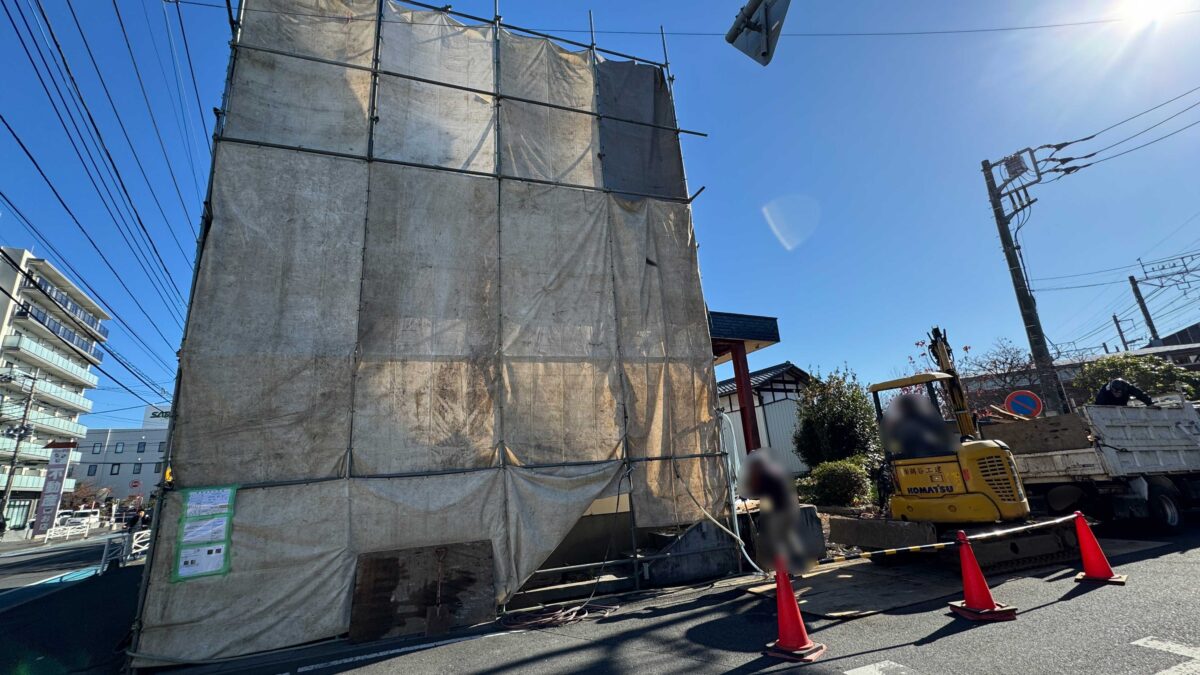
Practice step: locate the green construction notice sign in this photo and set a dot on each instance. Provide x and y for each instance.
(205, 530)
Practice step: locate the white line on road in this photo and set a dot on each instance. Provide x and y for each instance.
(882, 668)
(1190, 667)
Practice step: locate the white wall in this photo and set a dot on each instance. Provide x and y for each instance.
(145, 468)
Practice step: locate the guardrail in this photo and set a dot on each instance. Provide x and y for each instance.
(66, 532)
(139, 543)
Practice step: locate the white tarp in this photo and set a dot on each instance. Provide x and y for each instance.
(387, 354)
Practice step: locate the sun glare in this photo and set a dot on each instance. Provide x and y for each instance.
(1142, 13)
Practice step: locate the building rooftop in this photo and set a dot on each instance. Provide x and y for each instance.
(760, 378)
(51, 273)
(755, 332)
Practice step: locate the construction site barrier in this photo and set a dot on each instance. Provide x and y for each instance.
(982, 536)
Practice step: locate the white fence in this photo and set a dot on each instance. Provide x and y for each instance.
(67, 531)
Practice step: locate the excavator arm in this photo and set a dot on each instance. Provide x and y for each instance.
(956, 396)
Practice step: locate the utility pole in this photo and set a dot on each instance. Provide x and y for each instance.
(18, 434)
(1137, 294)
(1042, 361)
(1121, 332)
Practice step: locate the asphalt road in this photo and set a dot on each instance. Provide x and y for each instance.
(1063, 627)
(21, 568)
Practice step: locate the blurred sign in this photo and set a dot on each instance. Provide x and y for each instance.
(56, 475)
(135, 484)
(156, 416)
(1024, 403)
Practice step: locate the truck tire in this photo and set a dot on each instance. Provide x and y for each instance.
(1165, 510)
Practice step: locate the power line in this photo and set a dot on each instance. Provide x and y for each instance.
(1067, 170)
(65, 262)
(66, 342)
(62, 202)
(1127, 119)
(95, 164)
(174, 85)
(95, 127)
(1122, 267)
(79, 324)
(191, 70)
(146, 98)
(950, 31)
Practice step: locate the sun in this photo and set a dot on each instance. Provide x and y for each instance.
(1142, 13)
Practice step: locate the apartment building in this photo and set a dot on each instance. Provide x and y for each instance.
(50, 336)
(124, 463)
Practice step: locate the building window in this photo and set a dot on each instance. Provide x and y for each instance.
(120, 447)
(96, 448)
(137, 468)
(158, 467)
(162, 446)
(116, 469)
(92, 469)
(142, 446)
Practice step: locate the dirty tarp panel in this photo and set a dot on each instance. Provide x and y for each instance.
(265, 390)
(638, 158)
(664, 490)
(335, 30)
(291, 101)
(290, 578)
(546, 143)
(425, 391)
(666, 355)
(397, 513)
(558, 330)
(545, 503)
(426, 123)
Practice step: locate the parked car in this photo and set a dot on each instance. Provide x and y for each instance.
(89, 517)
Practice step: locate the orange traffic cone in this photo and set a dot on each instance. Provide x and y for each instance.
(977, 603)
(1095, 566)
(793, 643)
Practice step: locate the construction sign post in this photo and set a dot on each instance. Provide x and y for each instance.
(1024, 403)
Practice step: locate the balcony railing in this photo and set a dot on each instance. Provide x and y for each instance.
(32, 481)
(52, 393)
(31, 451)
(60, 329)
(63, 300)
(12, 412)
(57, 361)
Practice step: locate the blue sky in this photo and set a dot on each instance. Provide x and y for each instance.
(865, 151)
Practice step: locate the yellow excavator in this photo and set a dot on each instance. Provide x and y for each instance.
(971, 484)
(976, 482)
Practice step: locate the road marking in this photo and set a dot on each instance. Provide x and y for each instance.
(1189, 667)
(881, 668)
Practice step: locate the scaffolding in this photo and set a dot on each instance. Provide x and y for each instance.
(446, 291)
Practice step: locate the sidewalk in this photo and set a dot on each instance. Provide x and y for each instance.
(10, 545)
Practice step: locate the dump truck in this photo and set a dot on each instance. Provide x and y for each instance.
(1110, 462)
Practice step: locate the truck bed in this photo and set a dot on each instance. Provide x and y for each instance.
(1103, 443)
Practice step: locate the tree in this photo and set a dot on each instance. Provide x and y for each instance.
(1152, 374)
(989, 377)
(83, 495)
(836, 420)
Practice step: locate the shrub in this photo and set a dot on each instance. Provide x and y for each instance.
(840, 483)
(836, 420)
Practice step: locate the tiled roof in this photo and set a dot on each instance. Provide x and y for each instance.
(760, 378)
(745, 327)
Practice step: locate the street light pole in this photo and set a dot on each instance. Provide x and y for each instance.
(18, 433)
(1042, 361)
